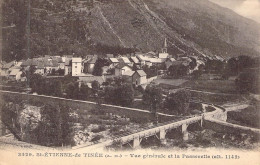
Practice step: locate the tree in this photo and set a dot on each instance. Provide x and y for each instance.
(14, 47)
(163, 66)
(84, 92)
(32, 70)
(196, 74)
(111, 71)
(57, 88)
(53, 72)
(117, 81)
(28, 73)
(125, 94)
(248, 82)
(100, 63)
(172, 70)
(215, 66)
(193, 63)
(110, 95)
(54, 128)
(182, 70)
(76, 90)
(119, 95)
(61, 72)
(95, 85)
(72, 90)
(152, 96)
(238, 64)
(9, 117)
(34, 80)
(150, 71)
(38, 86)
(178, 102)
(178, 71)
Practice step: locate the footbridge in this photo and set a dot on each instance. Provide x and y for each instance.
(158, 131)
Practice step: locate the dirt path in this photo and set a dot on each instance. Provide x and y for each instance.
(235, 106)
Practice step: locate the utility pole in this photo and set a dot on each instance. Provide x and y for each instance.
(98, 98)
(154, 111)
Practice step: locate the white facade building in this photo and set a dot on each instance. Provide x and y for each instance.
(76, 66)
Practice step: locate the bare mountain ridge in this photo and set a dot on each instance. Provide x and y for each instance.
(59, 27)
(198, 27)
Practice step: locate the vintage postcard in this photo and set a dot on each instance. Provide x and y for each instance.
(130, 81)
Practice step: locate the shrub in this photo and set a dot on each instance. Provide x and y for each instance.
(96, 138)
(122, 122)
(140, 120)
(96, 111)
(210, 109)
(99, 129)
(114, 129)
(183, 145)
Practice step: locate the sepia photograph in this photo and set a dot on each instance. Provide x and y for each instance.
(147, 81)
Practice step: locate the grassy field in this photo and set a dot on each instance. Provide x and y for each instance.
(246, 117)
(171, 82)
(218, 99)
(218, 86)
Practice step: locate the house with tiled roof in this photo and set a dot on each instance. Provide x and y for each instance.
(177, 63)
(89, 65)
(121, 68)
(150, 54)
(18, 64)
(6, 68)
(105, 70)
(113, 62)
(8, 65)
(139, 78)
(169, 62)
(29, 62)
(15, 74)
(129, 73)
(135, 60)
(50, 65)
(185, 60)
(26, 63)
(163, 55)
(87, 80)
(88, 57)
(68, 56)
(4, 74)
(125, 60)
(61, 62)
(109, 56)
(156, 61)
(144, 60)
(67, 66)
(40, 69)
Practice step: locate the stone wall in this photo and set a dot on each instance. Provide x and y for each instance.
(224, 127)
(84, 107)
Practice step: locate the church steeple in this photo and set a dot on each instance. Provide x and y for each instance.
(164, 49)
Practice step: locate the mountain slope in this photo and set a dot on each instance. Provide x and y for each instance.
(196, 27)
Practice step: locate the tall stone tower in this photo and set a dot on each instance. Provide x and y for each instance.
(164, 49)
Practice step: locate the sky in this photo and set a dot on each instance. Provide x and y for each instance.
(246, 8)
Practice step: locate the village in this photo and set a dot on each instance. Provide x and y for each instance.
(140, 69)
(84, 75)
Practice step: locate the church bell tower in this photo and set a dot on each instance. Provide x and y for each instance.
(164, 49)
